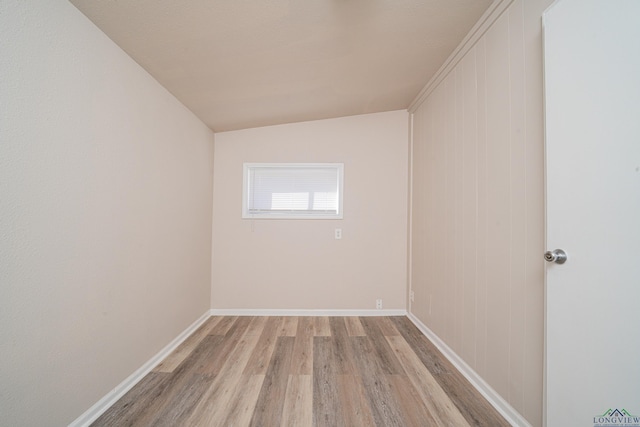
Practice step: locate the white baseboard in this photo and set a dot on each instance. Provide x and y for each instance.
(268, 312)
(112, 397)
(497, 401)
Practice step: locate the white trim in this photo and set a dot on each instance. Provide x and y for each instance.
(484, 23)
(410, 218)
(502, 406)
(112, 397)
(269, 312)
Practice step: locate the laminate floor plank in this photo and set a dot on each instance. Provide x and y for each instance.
(179, 407)
(326, 405)
(268, 410)
(298, 402)
(184, 386)
(302, 358)
(223, 326)
(256, 326)
(212, 322)
(473, 407)
(304, 371)
(321, 326)
(355, 410)
(226, 399)
(437, 402)
(178, 355)
(260, 357)
(220, 395)
(200, 358)
(215, 398)
(389, 361)
(386, 326)
(424, 349)
(354, 327)
(134, 403)
(228, 344)
(178, 382)
(384, 409)
(342, 352)
(244, 401)
(289, 326)
(410, 405)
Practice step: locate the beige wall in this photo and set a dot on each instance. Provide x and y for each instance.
(297, 264)
(477, 208)
(105, 214)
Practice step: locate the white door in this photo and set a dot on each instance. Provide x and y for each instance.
(592, 113)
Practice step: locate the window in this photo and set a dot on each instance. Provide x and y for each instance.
(292, 190)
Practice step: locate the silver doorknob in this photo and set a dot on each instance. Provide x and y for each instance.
(558, 256)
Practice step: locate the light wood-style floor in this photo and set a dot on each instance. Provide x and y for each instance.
(304, 371)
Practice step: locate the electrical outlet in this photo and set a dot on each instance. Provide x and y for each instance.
(412, 296)
(338, 233)
(379, 304)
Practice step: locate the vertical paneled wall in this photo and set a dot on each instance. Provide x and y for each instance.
(477, 209)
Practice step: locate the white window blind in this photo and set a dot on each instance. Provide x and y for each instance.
(292, 190)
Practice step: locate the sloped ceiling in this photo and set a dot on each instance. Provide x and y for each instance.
(247, 63)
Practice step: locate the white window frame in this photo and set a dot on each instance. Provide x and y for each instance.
(339, 168)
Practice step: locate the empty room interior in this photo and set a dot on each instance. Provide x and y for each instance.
(127, 130)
